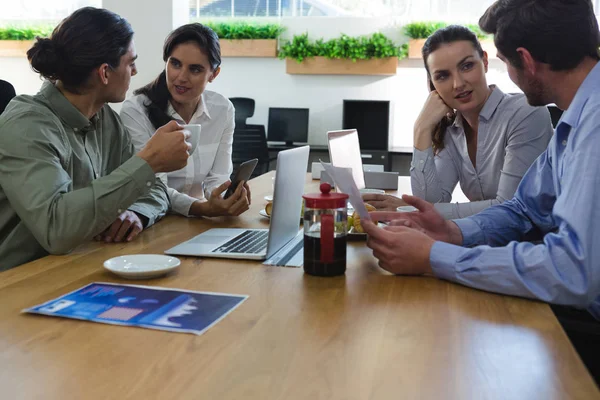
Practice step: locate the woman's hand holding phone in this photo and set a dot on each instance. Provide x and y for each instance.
(433, 111)
(217, 206)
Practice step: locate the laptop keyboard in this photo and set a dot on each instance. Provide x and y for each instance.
(248, 242)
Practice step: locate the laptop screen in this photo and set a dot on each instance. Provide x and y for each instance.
(344, 151)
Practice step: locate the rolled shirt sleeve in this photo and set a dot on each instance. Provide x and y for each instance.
(433, 177)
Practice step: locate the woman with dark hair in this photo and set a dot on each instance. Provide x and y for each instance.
(468, 132)
(68, 169)
(193, 57)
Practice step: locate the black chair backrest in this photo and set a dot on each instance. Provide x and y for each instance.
(555, 114)
(7, 92)
(244, 109)
(248, 144)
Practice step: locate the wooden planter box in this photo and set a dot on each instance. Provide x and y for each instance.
(415, 46)
(15, 48)
(248, 48)
(326, 66)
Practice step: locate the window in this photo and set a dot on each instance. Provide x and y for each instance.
(414, 9)
(448, 10)
(16, 11)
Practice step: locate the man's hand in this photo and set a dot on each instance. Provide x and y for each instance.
(383, 202)
(168, 149)
(426, 220)
(217, 206)
(126, 227)
(400, 250)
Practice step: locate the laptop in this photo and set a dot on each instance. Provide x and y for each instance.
(344, 152)
(259, 244)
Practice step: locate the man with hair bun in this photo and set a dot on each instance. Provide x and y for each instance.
(68, 169)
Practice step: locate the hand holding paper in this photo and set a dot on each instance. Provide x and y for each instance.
(342, 177)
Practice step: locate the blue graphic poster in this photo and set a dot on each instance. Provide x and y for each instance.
(143, 306)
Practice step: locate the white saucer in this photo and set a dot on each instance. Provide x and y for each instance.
(372, 191)
(406, 209)
(269, 198)
(141, 266)
(263, 213)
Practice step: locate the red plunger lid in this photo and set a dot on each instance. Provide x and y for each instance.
(325, 199)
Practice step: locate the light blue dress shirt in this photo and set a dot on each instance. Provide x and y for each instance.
(557, 202)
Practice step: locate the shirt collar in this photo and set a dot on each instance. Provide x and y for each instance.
(490, 106)
(65, 110)
(201, 109)
(590, 85)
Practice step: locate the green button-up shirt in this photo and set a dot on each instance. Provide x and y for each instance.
(65, 178)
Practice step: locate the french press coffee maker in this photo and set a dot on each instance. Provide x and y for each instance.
(325, 232)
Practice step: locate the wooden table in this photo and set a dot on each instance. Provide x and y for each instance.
(365, 335)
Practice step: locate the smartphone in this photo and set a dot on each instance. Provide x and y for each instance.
(243, 173)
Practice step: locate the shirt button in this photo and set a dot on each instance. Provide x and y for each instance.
(564, 142)
(148, 183)
(422, 161)
(119, 211)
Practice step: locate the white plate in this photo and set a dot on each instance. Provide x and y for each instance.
(141, 266)
(372, 191)
(269, 198)
(263, 213)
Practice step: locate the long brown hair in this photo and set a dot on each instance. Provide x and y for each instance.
(449, 34)
(157, 90)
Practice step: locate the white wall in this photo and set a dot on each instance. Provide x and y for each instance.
(265, 80)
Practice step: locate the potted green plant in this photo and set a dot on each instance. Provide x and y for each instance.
(374, 55)
(418, 32)
(15, 41)
(242, 39)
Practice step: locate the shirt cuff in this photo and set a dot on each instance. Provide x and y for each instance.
(443, 258)
(141, 172)
(420, 158)
(181, 203)
(471, 232)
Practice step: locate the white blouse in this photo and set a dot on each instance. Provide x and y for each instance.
(511, 135)
(209, 165)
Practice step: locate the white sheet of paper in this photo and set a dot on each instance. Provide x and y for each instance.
(344, 182)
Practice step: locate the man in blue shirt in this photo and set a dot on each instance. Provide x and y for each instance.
(550, 48)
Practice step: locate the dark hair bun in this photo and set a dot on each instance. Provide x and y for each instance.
(44, 58)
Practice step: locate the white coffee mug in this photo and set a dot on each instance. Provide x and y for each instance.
(194, 130)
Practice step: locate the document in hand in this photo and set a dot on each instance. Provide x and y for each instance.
(344, 182)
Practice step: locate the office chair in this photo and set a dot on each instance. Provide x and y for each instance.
(244, 109)
(555, 114)
(248, 144)
(7, 92)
